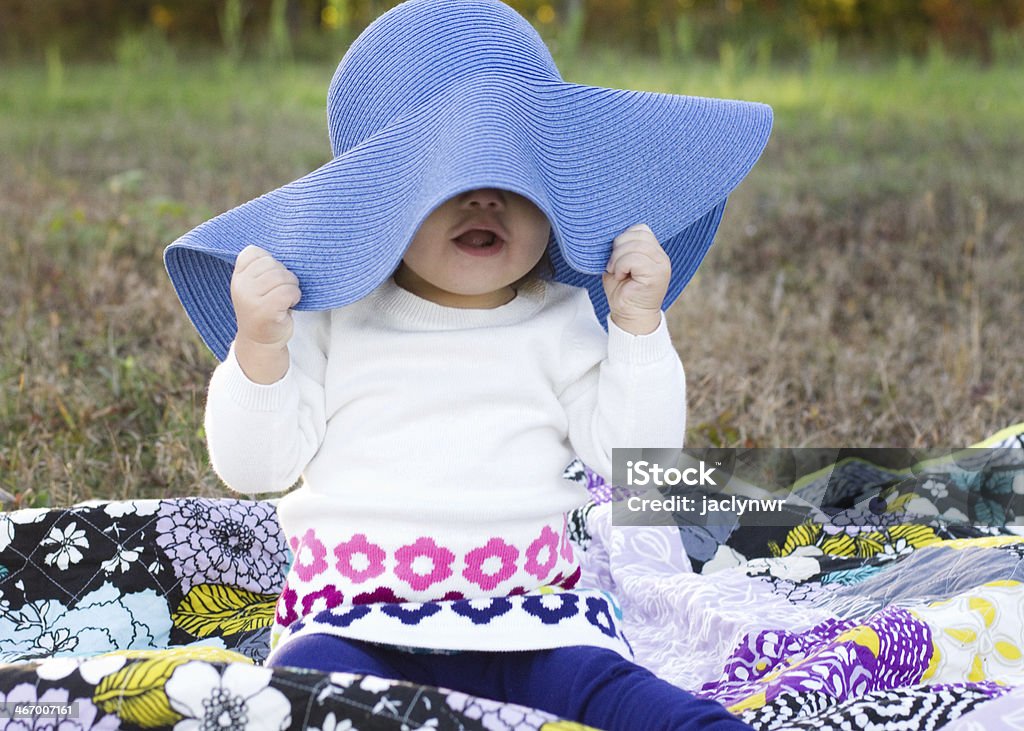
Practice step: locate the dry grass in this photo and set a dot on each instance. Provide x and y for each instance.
(864, 289)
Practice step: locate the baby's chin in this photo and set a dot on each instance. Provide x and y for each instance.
(483, 287)
(491, 289)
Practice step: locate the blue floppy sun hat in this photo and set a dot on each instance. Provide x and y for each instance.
(438, 97)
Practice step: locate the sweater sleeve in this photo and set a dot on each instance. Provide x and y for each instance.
(261, 437)
(630, 391)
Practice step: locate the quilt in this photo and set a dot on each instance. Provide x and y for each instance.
(156, 613)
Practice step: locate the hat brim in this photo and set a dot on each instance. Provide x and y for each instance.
(595, 160)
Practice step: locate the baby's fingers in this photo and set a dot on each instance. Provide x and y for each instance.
(248, 256)
(632, 255)
(273, 276)
(638, 265)
(627, 248)
(638, 228)
(282, 298)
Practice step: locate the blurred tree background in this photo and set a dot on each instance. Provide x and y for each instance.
(764, 30)
(864, 289)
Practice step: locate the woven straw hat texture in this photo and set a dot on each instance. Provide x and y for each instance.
(438, 97)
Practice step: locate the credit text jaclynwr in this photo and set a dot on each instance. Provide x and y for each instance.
(685, 504)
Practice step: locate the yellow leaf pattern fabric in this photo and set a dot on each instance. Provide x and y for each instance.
(862, 544)
(136, 692)
(213, 609)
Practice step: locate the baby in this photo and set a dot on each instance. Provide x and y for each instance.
(430, 327)
(431, 421)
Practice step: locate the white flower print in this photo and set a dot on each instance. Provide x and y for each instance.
(121, 560)
(374, 684)
(331, 723)
(724, 558)
(28, 515)
(92, 670)
(921, 506)
(936, 488)
(18, 517)
(68, 542)
(59, 640)
(387, 705)
(955, 516)
(788, 568)
(892, 551)
(344, 680)
(209, 699)
(807, 551)
(119, 508)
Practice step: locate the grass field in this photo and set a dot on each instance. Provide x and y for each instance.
(864, 289)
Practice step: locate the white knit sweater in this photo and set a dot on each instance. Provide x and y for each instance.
(431, 440)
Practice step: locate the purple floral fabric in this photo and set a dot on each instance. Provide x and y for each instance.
(846, 658)
(894, 622)
(223, 542)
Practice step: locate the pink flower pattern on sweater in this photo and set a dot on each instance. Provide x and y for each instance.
(419, 569)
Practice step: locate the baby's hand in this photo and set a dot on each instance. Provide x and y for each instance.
(263, 291)
(636, 280)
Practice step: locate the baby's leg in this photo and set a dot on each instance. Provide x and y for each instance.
(599, 687)
(590, 685)
(335, 654)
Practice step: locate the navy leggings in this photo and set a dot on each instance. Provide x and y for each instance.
(590, 685)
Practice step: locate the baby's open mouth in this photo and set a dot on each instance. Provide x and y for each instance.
(478, 238)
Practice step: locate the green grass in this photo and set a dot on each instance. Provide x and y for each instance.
(864, 289)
